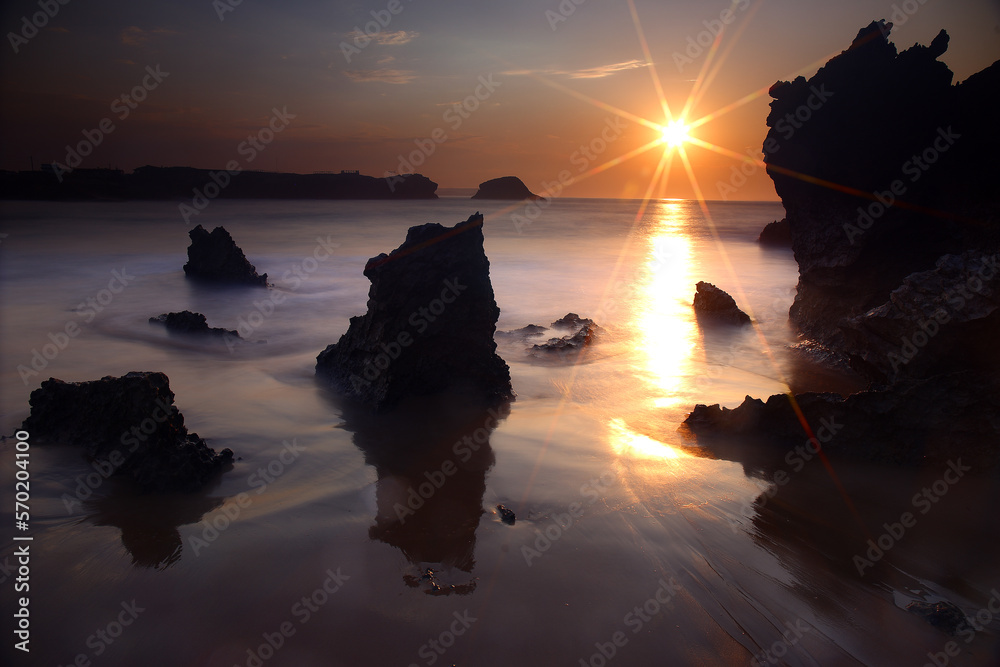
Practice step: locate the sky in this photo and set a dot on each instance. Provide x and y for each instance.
(561, 93)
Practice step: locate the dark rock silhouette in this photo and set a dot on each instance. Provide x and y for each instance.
(186, 322)
(506, 515)
(131, 424)
(776, 234)
(889, 191)
(937, 321)
(505, 187)
(916, 422)
(713, 305)
(185, 184)
(894, 168)
(215, 257)
(429, 326)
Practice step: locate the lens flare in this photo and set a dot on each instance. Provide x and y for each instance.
(675, 134)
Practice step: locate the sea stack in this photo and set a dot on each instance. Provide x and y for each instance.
(429, 326)
(713, 305)
(129, 426)
(216, 258)
(505, 187)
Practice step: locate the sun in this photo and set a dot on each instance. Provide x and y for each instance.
(675, 133)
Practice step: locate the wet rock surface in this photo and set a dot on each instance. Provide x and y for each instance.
(567, 344)
(131, 425)
(714, 306)
(506, 514)
(429, 326)
(186, 322)
(585, 332)
(215, 257)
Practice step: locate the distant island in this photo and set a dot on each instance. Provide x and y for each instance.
(505, 187)
(187, 182)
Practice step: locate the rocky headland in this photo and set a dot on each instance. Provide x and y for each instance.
(885, 169)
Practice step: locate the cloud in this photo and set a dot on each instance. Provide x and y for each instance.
(385, 60)
(390, 37)
(606, 70)
(588, 73)
(381, 75)
(136, 36)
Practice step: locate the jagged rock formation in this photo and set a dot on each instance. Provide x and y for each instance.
(887, 174)
(883, 166)
(918, 422)
(215, 257)
(776, 234)
(186, 322)
(585, 332)
(505, 187)
(572, 321)
(429, 326)
(130, 424)
(571, 343)
(713, 305)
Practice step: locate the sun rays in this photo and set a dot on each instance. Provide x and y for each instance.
(674, 137)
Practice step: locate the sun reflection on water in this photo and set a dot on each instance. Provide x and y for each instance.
(626, 442)
(663, 318)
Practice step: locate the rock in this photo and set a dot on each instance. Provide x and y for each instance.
(776, 234)
(215, 257)
(571, 321)
(505, 187)
(506, 515)
(892, 219)
(111, 417)
(713, 305)
(864, 208)
(186, 322)
(429, 326)
(934, 322)
(917, 422)
(573, 343)
(945, 616)
(524, 332)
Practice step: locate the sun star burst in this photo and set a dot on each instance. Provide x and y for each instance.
(675, 134)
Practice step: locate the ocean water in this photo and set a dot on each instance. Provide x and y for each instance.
(632, 544)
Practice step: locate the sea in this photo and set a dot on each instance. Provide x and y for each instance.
(633, 543)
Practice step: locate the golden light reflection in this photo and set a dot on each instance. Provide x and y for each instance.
(664, 319)
(626, 442)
